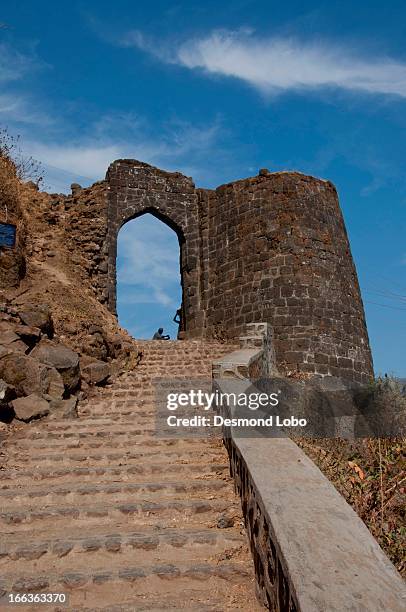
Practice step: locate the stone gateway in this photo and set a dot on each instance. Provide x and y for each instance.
(270, 248)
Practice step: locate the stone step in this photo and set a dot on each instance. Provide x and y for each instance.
(61, 530)
(137, 580)
(189, 470)
(206, 456)
(177, 512)
(115, 516)
(15, 546)
(62, 438)
(101, 417)
(117, 548)
(100, 421)
(89, 432)
(126, 444)
(179, 368)
(70, 491)
(129, 415)
(117, 406)
(190, 600)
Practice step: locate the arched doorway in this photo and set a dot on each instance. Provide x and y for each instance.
(135, 188)
(149, 278)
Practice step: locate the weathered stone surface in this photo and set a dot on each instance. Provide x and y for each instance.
(225, 522)
(37, 315)
(7, 337)
(4, 351)
(54, 385)
(115, 344)
(30, 335)
(17, 346)
(61, 549)
(12, 266)
(75, 188)
(23, 372)
(279, 253)
(28, 585)
(95, 344)
(64, 408)
(6, 324)
(29, 376)
(73, 581)
(60, 357)
(96, 372)
(30, 407)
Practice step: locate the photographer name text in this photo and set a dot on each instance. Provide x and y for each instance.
(220, 421)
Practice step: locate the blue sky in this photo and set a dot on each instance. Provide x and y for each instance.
(218, 92)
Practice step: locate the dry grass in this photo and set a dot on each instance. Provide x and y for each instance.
(15, 168)
(12, 267)
(9, 189)
(371, 476)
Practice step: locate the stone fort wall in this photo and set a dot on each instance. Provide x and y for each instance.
(269, 248)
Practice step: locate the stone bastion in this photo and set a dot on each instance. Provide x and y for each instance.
(269, 248)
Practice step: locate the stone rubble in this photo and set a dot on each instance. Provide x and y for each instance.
(39, 375)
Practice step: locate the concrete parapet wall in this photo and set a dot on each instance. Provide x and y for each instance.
(311, 551)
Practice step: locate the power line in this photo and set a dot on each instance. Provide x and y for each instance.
(385, 305)
(387, 295)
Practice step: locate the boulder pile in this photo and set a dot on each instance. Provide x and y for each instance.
(39, 375)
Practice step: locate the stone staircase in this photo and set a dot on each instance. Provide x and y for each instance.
(103, 510)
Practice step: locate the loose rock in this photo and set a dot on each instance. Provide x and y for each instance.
(62, 358)
(96, 372)
(225, 522)
(28, 376)
(7, 337)
(65, 409)
(30, 335)
(30, 407)
(37, 315)
(18, 346)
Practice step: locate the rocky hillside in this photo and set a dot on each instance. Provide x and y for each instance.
(56, 338)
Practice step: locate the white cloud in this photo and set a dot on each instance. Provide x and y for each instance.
(275, 65)
(85, 160)
(16, 108)
(177, 144)
(148, 263)
(13, 64)
(56, 180)
(70, 153)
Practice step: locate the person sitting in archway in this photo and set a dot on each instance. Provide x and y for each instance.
(159, 335)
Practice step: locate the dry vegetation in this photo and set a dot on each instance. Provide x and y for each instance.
(9, 183)
(40, 269)
(12, 266)
(370, 474)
